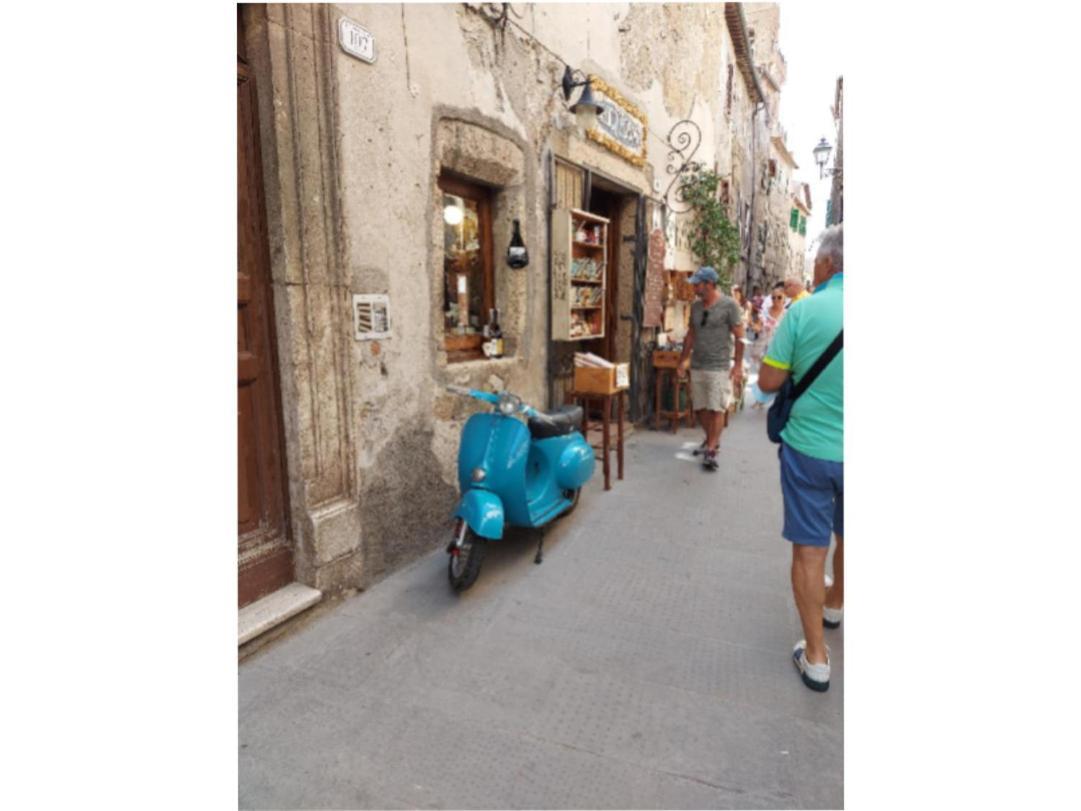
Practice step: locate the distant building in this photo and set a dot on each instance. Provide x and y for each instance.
(385, 154)
(798, 215)
(836, 212)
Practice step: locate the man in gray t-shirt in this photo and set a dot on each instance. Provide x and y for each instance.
(707, 350)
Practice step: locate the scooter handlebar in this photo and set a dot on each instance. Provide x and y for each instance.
(487, 397)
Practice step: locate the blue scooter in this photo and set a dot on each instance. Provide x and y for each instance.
(510, 473)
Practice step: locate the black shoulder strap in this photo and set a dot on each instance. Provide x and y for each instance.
(820, 364)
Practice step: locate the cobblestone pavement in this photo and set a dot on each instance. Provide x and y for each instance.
(645, 664)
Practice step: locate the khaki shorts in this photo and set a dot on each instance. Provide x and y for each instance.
(711, 390)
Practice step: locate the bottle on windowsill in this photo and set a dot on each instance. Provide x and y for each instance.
(495, 335)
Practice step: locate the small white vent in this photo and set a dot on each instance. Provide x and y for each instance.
(371, 316)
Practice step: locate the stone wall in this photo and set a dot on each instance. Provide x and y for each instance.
(352, 154)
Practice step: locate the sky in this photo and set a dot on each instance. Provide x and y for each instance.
(812, 42)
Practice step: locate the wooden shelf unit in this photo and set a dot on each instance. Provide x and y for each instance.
(571, 319)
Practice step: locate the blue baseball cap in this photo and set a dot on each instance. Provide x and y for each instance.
(704, 274)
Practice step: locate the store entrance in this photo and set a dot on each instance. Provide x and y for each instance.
(609, 205)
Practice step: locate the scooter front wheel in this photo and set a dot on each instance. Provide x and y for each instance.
(465, 559)
(573, 495)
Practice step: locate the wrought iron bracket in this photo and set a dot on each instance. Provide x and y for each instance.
(683, 141)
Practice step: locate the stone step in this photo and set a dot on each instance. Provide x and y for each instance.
(274, 609)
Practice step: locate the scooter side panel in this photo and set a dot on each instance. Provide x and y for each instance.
(483, 511)
(575, 464)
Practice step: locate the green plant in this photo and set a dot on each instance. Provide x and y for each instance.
(715, 240)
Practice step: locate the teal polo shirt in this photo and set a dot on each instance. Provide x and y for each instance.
(816, 426)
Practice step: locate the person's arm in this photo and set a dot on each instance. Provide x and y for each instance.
(688, 346)
(777, 363)
(737, 370)
(770, 378)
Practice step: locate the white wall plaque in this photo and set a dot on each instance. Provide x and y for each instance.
(356, 40)
(371, 316)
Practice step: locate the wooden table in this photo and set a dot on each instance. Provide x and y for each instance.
(667, 363)
(583, 399)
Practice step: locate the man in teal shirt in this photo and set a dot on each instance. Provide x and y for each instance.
(812, 454)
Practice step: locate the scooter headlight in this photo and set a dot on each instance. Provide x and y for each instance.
(508, 404)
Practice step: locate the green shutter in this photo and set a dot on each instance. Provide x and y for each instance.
(803, 226)
(793, 219)
(829, 212)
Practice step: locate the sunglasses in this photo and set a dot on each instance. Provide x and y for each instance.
(705, 317)
(775, 298)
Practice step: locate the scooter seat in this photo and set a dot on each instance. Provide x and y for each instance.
(565, 420)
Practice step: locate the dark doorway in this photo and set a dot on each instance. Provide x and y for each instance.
(609, 205)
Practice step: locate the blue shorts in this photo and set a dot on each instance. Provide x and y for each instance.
(814, 497)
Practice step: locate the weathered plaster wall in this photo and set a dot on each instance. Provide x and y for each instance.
(354, 155)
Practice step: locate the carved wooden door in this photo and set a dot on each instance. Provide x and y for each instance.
(265, 558)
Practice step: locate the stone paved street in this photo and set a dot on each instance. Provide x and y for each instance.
(644, 664)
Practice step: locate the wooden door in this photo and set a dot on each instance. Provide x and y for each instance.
(265, 557)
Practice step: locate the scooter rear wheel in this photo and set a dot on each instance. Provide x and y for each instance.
(464, 564)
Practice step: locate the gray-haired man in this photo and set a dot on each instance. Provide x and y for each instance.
(812, 455)
(707, 349)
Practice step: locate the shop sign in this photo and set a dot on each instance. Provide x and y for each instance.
(621, 128)
(356, 40)
(653, 310)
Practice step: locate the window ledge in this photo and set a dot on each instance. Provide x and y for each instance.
(473, 363)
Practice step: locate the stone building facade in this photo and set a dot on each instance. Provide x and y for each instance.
(367, 123)
(837, 194)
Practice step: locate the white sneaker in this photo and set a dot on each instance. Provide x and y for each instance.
(831, 617)
(817, 677)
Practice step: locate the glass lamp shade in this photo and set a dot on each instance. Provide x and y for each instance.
(585, 116)
(586, 109)
(452, 215)
(822, 152)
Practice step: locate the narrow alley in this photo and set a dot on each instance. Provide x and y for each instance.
(645, 664)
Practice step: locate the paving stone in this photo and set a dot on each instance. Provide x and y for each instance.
(644, 664)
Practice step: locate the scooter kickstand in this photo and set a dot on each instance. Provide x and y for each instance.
(540, 550)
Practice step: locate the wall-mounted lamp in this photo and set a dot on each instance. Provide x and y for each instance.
(452, 212)
(822, 154)
(586, 109)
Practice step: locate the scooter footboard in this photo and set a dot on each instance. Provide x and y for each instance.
(483, 511)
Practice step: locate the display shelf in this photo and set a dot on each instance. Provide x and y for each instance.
(579, 273)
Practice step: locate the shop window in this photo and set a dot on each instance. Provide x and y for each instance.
(468, 287)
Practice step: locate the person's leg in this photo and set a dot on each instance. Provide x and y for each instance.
(703, 420)
(809, 590)
(835, 594)
(721, 395)
(716, 428)
(809, 497)
(712, 429)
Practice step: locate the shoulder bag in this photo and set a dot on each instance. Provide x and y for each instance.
(779, 411)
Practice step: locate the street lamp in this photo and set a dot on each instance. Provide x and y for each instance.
(822, 154)
(586, 109)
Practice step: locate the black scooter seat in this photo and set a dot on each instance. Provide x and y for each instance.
(565, 420)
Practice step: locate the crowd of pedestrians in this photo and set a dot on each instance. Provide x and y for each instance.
(794, 338)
